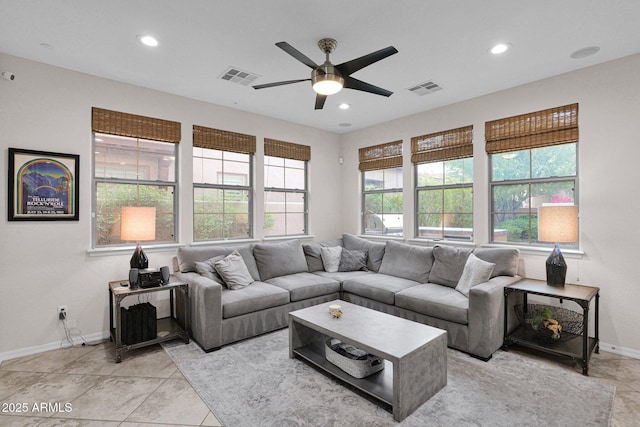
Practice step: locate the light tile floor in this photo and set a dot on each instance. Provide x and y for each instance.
(83, 386)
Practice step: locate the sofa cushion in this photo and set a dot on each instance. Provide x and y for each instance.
(407, 261)
(475, 271)
(448, 265)
(353, 260)
(256, 297)
(374, 250)
(379, 287)
(313, 254)
(341, 276)
(187, 256)
(331, 258)
(279, 259)
(303, 286)
(437, 301)
(208, 270)
(233, 271)
(505, 259)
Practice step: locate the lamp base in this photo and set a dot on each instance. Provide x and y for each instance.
(556, 268)
(139, 260)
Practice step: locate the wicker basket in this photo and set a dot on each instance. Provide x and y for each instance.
(570, 321)
(353, 361)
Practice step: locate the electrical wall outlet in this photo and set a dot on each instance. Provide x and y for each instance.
(62, 312)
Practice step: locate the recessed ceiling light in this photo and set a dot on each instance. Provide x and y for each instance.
(46, 45)
(344, 106)
(585, 51)
(344, 125)
(148, 40)
(500, 48)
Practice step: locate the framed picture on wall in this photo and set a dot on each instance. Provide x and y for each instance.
(43, 186)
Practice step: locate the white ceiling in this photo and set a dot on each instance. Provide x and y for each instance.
(445, 41)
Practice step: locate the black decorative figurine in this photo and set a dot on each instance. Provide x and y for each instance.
(556, 268)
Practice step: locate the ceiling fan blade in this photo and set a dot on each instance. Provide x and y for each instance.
(286, 82)
(351, 83)
(354, 65)
(297, 54)
(320, 101)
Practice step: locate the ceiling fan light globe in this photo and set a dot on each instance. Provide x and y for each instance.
(327, 86)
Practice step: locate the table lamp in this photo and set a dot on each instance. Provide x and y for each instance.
(557, 223)
(138, 223)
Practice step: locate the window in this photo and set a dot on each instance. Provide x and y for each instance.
(285, 188)
(533, 160)
(381, 167)
(222, 184)
(444, 184)
(134, 164)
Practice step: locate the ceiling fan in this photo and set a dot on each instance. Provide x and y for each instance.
(328, 79)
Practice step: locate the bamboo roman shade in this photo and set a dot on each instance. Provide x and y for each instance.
(134, 126)
(217, 139)
(382, 156)
(544, 128)
(448, 145)
(287, 150)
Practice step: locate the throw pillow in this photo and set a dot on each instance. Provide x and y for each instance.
(407, 261)
(505, 259)
(279, 259)
(475, 271)
(353, 260)
(313, 255)
(208, 270)
(233, 271)
(331, 258)
(448, 265)
(374, 250)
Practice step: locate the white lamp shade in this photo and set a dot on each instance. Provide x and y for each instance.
(138, 223)
(558, 223)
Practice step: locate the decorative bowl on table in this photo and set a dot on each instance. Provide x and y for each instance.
(549, 324)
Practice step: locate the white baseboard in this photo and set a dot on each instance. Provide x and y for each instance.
(28, 351)
(622, 351)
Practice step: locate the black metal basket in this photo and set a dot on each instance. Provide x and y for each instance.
(569, 320)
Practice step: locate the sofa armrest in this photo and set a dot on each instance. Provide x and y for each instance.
(205, 297)
(486, 315)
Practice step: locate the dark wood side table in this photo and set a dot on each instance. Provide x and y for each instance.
(171, 326)
(577, 349)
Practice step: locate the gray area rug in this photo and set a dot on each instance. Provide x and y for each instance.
(254, 383)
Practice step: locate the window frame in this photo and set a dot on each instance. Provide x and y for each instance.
(530, 182)
(133, 182)
(227, 187)
(284, 190)
(382, 191)
(443, 187)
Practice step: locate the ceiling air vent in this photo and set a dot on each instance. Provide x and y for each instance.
(235, 75)
(425, 88)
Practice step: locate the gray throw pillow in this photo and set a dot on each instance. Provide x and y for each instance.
(313, 254)
(279, 259)
(331, 258)
(448, 265)
(475, 271)
(374, 250)
(353, 260)
(208, 270)
(233, 271)
(505, 259)
(407, 261)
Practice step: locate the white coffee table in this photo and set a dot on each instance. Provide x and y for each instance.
(415, 354)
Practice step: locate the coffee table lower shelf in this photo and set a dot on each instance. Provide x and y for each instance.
(378, 385)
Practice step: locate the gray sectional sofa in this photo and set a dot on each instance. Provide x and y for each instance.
(241, 291)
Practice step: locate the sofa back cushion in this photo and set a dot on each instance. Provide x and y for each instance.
(448, 265)
(374, 250)
(187, 256)
(279, 259)
(505, 259)
(313, 255)
(407, 261)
